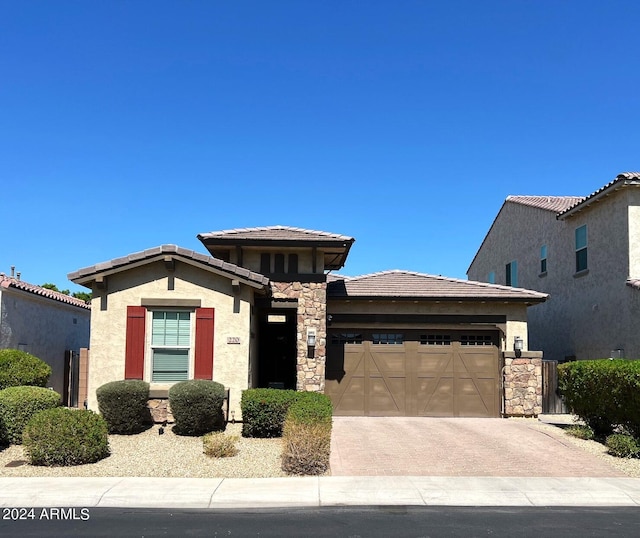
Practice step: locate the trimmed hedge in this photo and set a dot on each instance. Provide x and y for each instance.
(307, 435)
(62, 437)
(196, 406)
(123, 404)
(264, 411)
(604, 393)
(18, 405)
(19, 368)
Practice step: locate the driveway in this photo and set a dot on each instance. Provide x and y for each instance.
(370, 446)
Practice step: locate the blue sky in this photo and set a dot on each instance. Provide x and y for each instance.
(126, 125)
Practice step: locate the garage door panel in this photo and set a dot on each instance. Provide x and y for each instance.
(385, 361)
(387, 396)
(435, 397)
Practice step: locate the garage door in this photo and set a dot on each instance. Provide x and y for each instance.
(413, 373)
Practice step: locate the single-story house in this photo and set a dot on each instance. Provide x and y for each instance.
(50, 325)
(264, 309)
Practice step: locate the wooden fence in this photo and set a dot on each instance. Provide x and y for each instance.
(552, 402)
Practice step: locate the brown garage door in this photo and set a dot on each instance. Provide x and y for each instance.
(413, 373)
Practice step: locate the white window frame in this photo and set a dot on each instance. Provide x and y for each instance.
(149, 346)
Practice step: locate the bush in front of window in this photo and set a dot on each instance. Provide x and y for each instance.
(123, 404)
(264, 411)
(18, 405)
(306, 435)
(62, 437)
(196, 406)
(604, 393)
(19, 368)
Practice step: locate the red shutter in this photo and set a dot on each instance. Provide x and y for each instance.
(134, 353)
(203, 368)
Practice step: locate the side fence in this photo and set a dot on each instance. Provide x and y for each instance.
(552, 402)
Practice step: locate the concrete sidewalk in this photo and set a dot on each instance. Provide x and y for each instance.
(217, 493)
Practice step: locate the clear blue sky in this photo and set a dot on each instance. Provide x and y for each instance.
(126, 125)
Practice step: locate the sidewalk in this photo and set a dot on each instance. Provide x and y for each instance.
(218, 493)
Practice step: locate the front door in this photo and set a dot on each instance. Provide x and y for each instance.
(277, 349)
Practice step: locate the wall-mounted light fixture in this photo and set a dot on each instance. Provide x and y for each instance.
(518, 345)
(311, 337)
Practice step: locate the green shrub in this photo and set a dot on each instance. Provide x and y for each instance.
(579, 431)
(623, 445)
(219, 445)
(19, 368)
(196, 406)
(19, 404)
(604, 393)
(264, 411)
(64, 437)
(306, 435)
(123, 404)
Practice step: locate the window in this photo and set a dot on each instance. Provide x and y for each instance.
(581, 248)
(435, 339)
(279, 263)
(512, 274)
(293, 263)
(170, 343)
(492, 277)
(543, 259)
(265, 263)
(346, 338)
(388, 338)
(476, 340)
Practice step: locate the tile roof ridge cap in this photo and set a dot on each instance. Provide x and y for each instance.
(9, 281)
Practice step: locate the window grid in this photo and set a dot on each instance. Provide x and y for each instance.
(476, 340)
(435, 339)
(388, 338)
(346, 338)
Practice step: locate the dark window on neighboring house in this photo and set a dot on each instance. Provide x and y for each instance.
(543, 259)
(265, 263)
(293, 263)
(388, 338)
(511, 271)
(581, 248)
(279, 263)
(492, 277)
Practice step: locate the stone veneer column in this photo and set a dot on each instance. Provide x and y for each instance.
(312, 313)
(523, 384)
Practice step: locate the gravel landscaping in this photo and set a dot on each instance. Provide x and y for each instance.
(170, 455)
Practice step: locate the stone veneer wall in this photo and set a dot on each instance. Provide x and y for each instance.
(312, 312)
(523, 384)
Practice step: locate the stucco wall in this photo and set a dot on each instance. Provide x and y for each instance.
(251, 258)
(232, 319)
(586, 315)
(43, 327)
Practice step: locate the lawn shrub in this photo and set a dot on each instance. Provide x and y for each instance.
(19, 404)
(598, 391)
(219, 445)
(306, 435)
(19, 368)
(196, 406)
(623, 445)
(123, 404)
(264, 411)
(580, 431)
(62, 437)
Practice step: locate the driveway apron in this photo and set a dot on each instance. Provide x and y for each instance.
(383, 446)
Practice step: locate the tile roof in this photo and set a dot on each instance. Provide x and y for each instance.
(550, 203)
(408, 284)
(287, 233)
(10, 282)
(84, 275)
(622, 180)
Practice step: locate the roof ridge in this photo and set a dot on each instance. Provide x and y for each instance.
(12, 282)
(275, 227)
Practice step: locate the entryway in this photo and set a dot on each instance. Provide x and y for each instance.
(277, 349)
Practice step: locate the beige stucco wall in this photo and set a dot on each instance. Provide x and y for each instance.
(516, 315)
(43, 327)
(128, 288)
(586, 315)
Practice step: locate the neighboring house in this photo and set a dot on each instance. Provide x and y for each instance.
(582, 251)
(264, 311)
(48, 324)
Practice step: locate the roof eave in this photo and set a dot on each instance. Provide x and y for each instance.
(606, 191)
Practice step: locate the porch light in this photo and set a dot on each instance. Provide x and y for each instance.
(518, 345)
(311, 337)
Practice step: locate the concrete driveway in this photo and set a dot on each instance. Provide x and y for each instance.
(371, 446)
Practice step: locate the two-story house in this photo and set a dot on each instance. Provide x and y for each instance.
(582, 251)
(264, 310)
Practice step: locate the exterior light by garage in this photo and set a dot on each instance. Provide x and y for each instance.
(518, 345)
(311, 337)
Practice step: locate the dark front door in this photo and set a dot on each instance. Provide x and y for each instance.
(277, 349)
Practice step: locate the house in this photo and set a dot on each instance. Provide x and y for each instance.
(48, 324)
(263, 309)
(584, 251)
